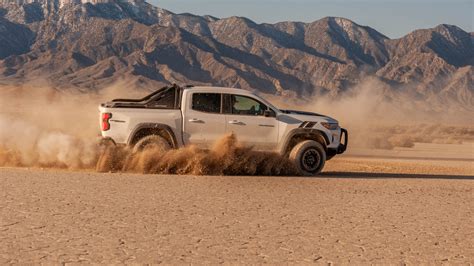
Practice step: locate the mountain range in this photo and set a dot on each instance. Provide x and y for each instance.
(91, 45)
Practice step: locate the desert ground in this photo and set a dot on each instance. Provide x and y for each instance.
(362, 209)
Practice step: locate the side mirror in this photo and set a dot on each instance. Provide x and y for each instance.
(269, 113)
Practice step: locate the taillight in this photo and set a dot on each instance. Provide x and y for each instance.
(105, 121)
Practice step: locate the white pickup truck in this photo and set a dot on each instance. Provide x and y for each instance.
(176, 116)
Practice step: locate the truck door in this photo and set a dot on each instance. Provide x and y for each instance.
(252, 121)
(204, 122)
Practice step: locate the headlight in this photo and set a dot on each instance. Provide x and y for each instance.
(330, 126)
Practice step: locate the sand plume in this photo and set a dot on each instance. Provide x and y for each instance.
(383, 117)
(227, 157)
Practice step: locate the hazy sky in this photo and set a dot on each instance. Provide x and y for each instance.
(393, 18)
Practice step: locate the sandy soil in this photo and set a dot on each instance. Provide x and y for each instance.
(361, 210)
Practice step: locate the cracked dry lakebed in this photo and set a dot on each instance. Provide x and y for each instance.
(358, 211)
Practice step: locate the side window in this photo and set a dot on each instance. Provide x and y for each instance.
(242, 105)
(207, 102)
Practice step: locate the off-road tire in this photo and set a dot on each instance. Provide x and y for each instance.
(151, 141)
(309, 157)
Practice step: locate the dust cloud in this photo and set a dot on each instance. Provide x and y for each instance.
(45, 127)
(25, 144)
(226, 157)
(382, 117)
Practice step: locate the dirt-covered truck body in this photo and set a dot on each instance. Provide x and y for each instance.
(180, 116)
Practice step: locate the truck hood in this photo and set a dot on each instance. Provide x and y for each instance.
(308, 116)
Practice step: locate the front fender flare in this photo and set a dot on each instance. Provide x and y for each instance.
(304, 131)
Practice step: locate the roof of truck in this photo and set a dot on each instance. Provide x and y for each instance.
(220, 89)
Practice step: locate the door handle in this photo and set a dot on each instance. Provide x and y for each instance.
(236, 122)
(195, 120)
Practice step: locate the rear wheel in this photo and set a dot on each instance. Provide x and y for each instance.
(309, 157)
(151, 142)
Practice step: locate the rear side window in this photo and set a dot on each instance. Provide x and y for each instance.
(207, 102)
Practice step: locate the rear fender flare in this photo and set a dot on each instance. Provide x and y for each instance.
(153, 126)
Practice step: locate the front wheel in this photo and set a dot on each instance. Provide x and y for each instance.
(309, 157)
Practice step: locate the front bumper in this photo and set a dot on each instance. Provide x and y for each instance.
(342, 144)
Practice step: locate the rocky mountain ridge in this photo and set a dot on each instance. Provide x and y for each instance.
(91, 45)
